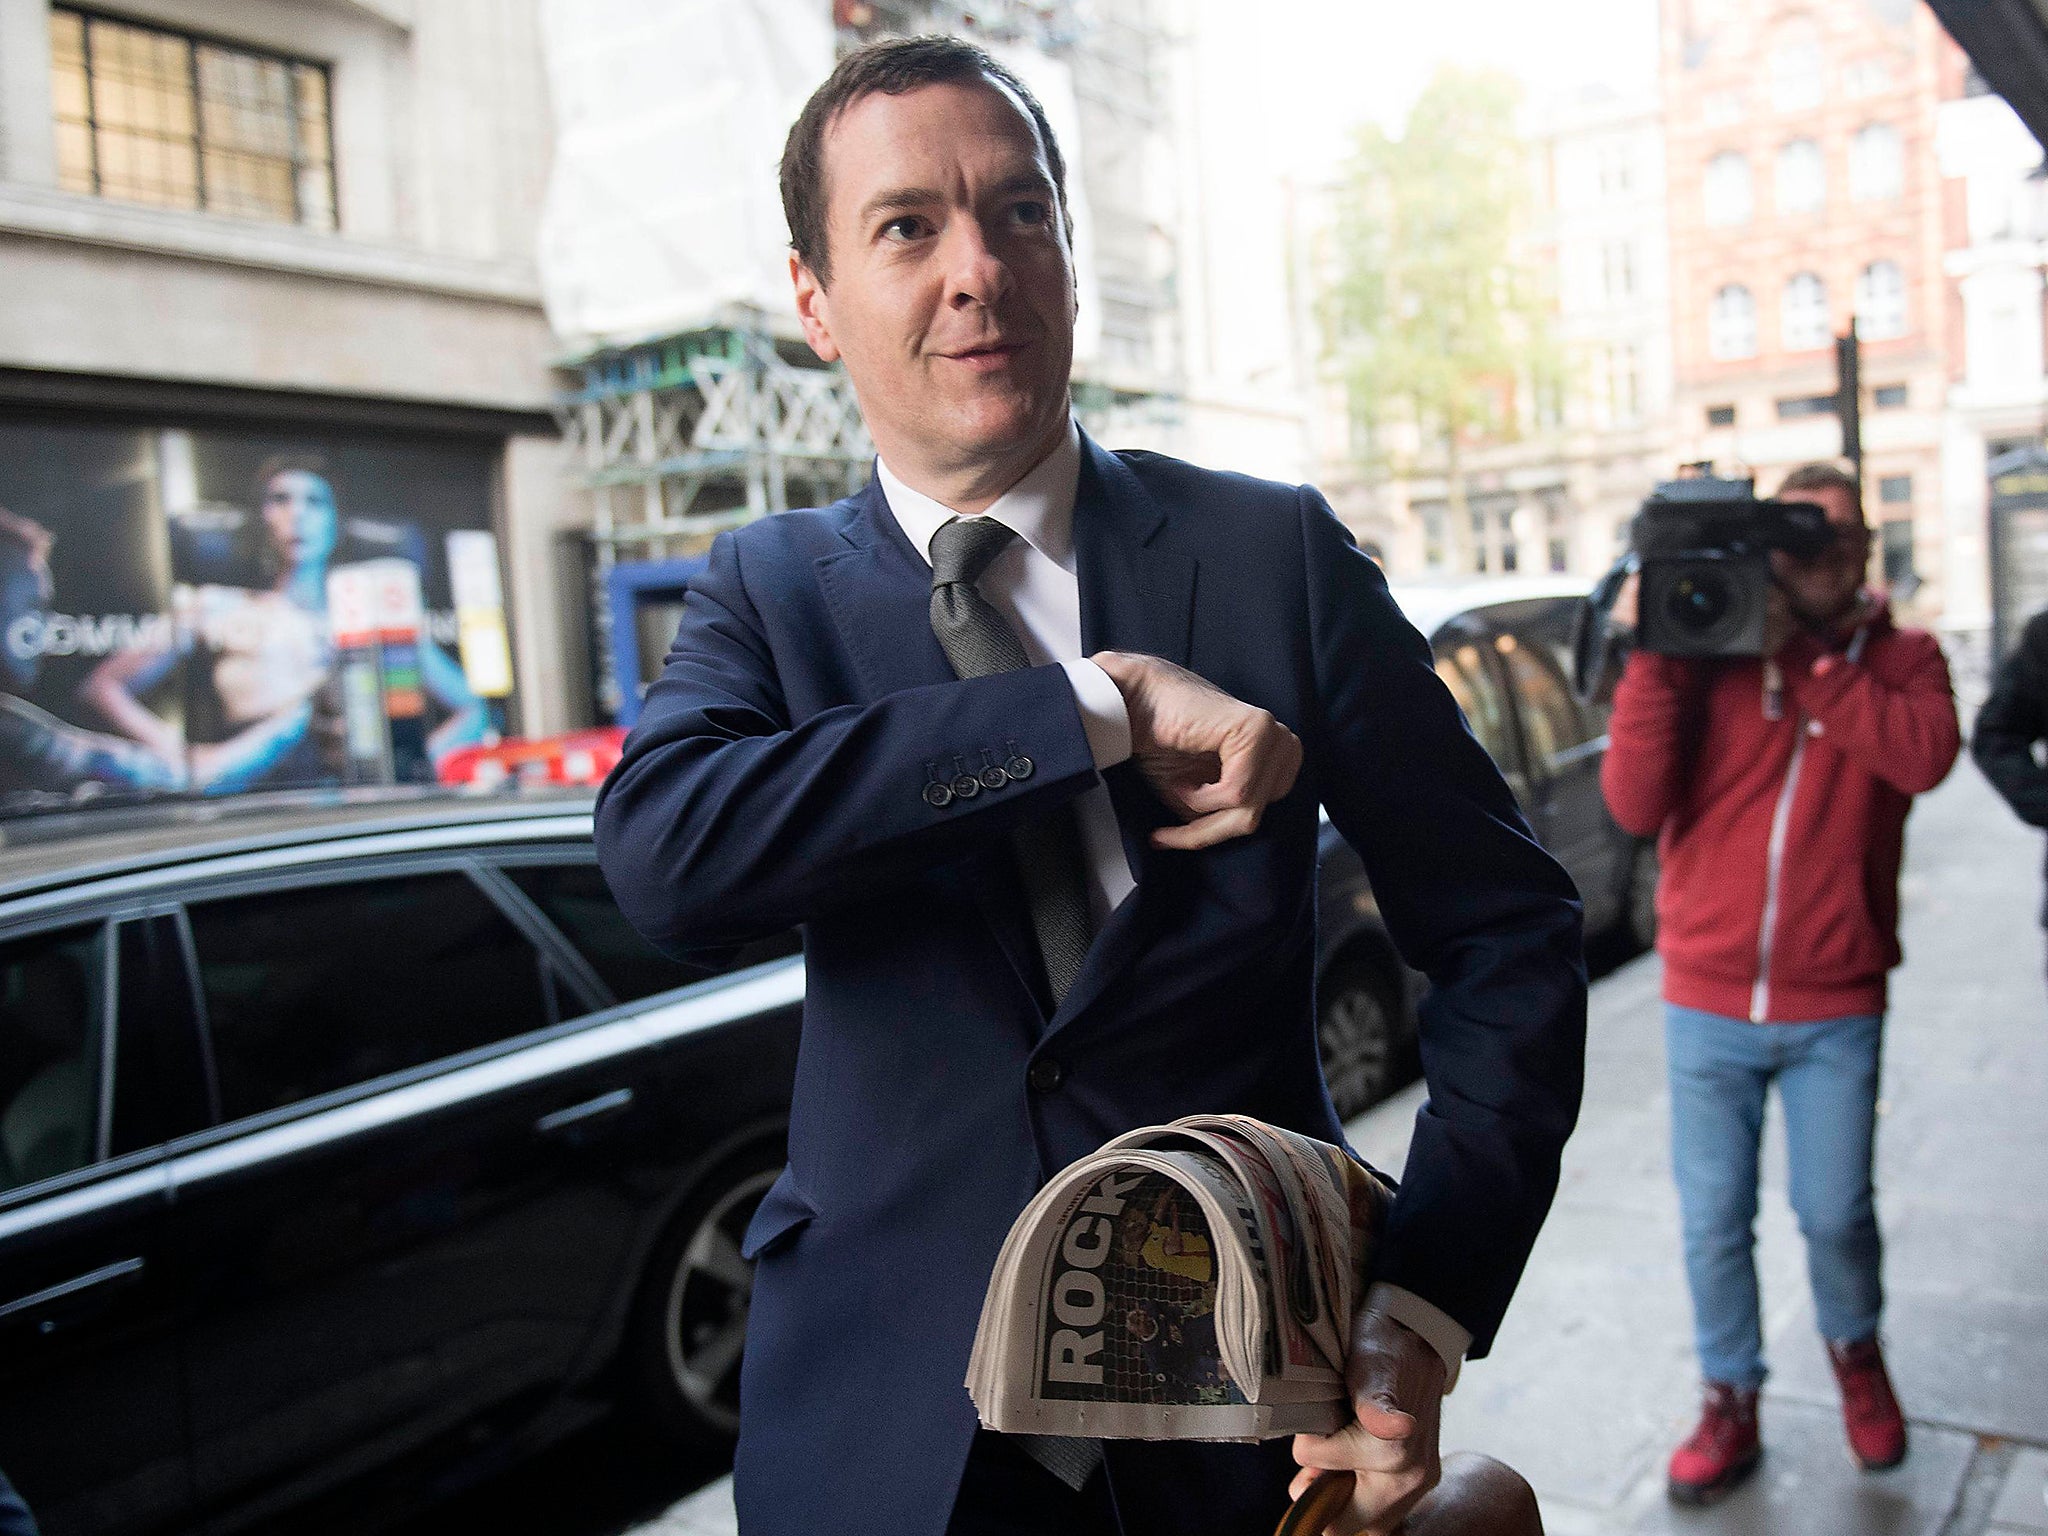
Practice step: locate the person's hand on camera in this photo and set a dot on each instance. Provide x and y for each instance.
(1626, 602)
(1217, 762)
(1396, 1381)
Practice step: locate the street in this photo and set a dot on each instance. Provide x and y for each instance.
(1592, 1379)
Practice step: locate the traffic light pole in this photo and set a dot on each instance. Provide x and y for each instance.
(1849, 399)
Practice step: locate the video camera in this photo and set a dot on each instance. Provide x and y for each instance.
(1702, 549)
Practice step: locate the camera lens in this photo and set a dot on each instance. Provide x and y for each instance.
(1698, 601)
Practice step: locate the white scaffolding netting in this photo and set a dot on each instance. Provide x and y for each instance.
(662, 211)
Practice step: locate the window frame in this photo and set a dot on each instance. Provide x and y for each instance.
(194, 39)
(1864, 185)
(1717, 326)
(1718, 211)
(551, 949)
(1807, 151)
(1811, 306)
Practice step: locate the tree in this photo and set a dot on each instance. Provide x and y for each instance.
(1430, 317)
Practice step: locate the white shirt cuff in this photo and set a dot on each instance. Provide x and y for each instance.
(1440, 1332)
(1103, 715)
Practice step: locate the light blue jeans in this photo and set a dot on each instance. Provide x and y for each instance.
(1826, 1072)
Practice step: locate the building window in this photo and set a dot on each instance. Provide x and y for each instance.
(1624, 386)
(1795, 69)
(1436, 544)
(153, 116)
(1731, 323)
(1889, 397)
(1896, 536)
(1720, 415)
(1723, 108)
(1802, 179)
(1867, 77)
(1881, 301)
(1727, 190)
(1617, 170)
(1895, 490)
(1796, 406)
(1803, 313)
(1618, 269)
(1876, 164)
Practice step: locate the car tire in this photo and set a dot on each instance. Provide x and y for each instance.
(689, 1324)
(1639, 902)
(1360, 1030)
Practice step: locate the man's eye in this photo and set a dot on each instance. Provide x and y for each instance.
(1032, 213)
(910, 227)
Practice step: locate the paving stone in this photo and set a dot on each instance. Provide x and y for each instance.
(2023, 1501)
(1808, 1485)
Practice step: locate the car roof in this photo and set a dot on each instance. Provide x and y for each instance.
(67, 847)
(1430, 605)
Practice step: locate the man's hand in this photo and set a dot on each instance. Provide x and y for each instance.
(1397, 1388)
(1780, 623)
(1216, 761)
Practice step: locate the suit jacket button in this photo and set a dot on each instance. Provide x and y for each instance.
(1047, 1074)
(938, 796)
(993, 777)
(1018, 767)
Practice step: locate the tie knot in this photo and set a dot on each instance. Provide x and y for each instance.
(964, 546)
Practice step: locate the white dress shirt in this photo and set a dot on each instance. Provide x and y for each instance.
(1033, 584)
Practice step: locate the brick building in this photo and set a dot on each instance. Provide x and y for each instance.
(1804, 190)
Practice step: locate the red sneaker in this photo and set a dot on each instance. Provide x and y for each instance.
(1722, 1450)
(1877, 1430)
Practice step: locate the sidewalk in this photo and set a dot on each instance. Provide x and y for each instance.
(1592, 1378)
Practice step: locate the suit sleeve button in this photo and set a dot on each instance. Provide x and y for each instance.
(938, 796)
(1018, 767)
(1047, 1074)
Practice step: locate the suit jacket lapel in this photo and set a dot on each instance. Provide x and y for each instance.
(1137, 594)
(879, 590)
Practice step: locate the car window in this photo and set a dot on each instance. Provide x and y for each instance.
(312, 990)
(1462, 666)
(576, 899)
(52, 1033)
(1550, 719)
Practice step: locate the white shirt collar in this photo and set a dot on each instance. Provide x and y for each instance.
(1040, 507)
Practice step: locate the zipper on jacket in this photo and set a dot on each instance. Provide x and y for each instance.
(1774, 867)
(1774, 854)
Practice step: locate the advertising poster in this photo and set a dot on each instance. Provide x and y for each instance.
(207, 612)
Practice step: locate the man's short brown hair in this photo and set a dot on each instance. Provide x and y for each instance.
(893, 68)
(1821, 477)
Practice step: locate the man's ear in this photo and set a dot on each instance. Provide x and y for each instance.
(813, 309)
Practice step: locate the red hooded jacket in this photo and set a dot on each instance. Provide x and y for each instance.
(1777, 793)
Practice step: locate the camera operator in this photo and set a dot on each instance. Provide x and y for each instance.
(2011, 721)
(1777, 787)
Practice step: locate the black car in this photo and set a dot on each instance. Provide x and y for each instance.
(334, 1132)
(1504, 650)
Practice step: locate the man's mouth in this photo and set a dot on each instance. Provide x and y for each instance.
(984, 359)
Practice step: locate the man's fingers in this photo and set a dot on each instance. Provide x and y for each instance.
(1207, 831)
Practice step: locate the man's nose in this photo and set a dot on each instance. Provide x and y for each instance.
(976, 272)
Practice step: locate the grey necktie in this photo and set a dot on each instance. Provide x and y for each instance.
(978, 640)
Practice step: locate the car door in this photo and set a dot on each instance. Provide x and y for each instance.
(92, 1426)
(414, 1198)
(1562, 745)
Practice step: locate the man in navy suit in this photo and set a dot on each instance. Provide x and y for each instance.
(1030, 737)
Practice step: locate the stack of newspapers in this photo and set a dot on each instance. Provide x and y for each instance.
(1192, 1281)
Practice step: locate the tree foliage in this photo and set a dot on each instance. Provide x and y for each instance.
(1430, 317)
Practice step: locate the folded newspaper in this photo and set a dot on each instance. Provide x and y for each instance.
(1192, 1281)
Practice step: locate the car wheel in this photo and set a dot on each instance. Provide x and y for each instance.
(1639, 918)
(691, 1322)
(1358, 1024)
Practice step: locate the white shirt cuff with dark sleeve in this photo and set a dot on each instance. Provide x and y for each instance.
(1441, 1332)
(1103, 715)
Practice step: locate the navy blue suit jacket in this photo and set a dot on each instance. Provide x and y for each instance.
(776, 777)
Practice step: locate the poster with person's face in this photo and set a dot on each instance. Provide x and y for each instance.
(206, 612)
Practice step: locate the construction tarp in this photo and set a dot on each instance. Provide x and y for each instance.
(663, 212)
